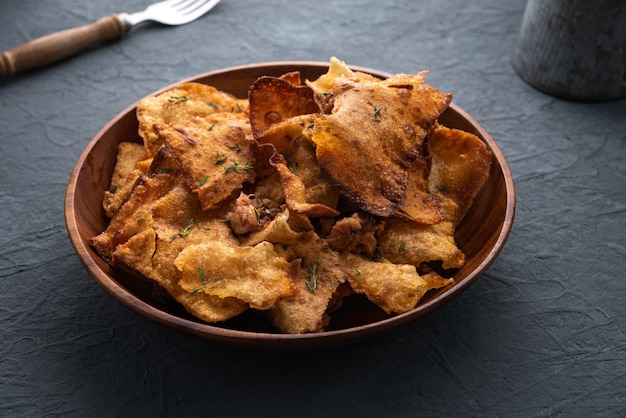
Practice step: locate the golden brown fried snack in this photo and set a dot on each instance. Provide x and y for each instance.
(179, 104)
(274, 100)
(124, 176)
(417, 204)
(178, 222)
(406, 242)
(295, 191)
(460, 168)
(214, 153)
(319, 277)
(255, 275)
(374, 133)
(395, 288)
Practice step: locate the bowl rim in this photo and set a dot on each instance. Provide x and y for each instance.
(269, 340)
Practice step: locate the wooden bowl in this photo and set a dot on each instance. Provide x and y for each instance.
(483, 232)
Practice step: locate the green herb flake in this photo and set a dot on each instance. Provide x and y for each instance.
(402, 246)
(210, 128)
(203, 180)
(213, 105)
(184, 232)
(312, 283)
(177, 99)
(165, 170)
(376, 114)
(378, 255)
(238, 167)
(221, 158)
(113, 189)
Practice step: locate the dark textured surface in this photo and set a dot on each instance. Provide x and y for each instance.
(543, 333)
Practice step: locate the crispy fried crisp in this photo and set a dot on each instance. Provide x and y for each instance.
(375, 131)
(167, 217)
(274, 100)
(295, 191)
(180, 104)
(461, 166)
(215, 154)
(407, 242)
(318, 279)
(134, 215)
(255, 275)
(395, 288)
(125, 173)
(417, 204)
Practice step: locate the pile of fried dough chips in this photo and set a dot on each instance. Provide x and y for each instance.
(290, 200)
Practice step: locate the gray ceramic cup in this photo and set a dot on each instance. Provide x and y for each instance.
(574, 49)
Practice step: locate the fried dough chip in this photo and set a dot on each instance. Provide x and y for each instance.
(375, 131)
(461, 166)
(295, 191)
(179, 104)
(133, 216)
(274, 100)
(178, 221)
(318, 278)
(324, 85)
(215, 154)
(395, 288)
(406, 242)
(124, 176)
(255, 275)
(417, 204)
(152, 227)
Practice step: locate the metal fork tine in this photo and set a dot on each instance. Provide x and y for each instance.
(185, 5)
(195, 6)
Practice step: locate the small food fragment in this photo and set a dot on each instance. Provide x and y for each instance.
(124, 176)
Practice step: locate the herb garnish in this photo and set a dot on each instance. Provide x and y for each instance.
(205, 282)
(239, 168)
(113, 189)
(312, 283)
(177, 99)
(203, 180)
(378, 255)
(376, 114)
(221, 158)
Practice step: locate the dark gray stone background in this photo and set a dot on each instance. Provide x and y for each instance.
(541, 334)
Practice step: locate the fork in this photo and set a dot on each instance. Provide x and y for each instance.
(59, 45)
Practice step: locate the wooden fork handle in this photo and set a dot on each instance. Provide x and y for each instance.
(59, 45)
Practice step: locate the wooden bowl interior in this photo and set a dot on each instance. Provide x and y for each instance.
(482, 233)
